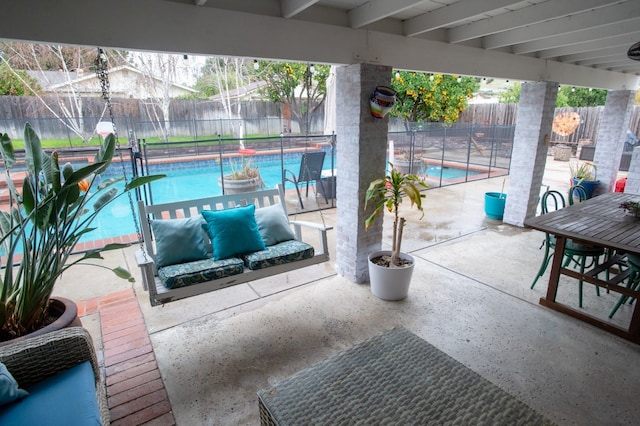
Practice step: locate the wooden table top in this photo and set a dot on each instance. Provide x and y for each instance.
(599, 221)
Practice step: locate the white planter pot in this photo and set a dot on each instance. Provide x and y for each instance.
(390, 283)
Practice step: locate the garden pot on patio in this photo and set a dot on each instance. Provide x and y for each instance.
(494, 203)
(63, 312)
(390, 283)
(588, 185)
(238, 186)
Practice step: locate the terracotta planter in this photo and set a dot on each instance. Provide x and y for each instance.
(64, 309)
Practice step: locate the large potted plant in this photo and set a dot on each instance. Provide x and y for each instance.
(45, 220)
(584, 174)
(390, 271)
(243, 178)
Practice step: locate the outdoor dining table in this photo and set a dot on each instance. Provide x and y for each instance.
(598, 221)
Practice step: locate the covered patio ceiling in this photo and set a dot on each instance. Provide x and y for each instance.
(573, 42)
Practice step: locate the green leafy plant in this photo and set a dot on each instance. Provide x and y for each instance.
(583, 171)
(632, 207)
(246, 170)
(388, 193)
(43, 225)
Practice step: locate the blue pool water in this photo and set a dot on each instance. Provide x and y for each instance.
(198, 179)
(185, 180)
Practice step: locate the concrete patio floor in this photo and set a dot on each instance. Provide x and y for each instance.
(469, 297)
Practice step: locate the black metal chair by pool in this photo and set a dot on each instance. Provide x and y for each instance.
(311, 165)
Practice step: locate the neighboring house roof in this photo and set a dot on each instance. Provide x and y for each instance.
(124, 81)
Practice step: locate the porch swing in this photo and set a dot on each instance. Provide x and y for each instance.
(201, 245)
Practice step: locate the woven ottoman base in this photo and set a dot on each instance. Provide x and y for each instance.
(393, 378)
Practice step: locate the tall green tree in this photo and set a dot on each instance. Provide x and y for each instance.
(511, 95)
(580, 97)
(16, 83)
(436, 97)
(301, 87)
(567, 96)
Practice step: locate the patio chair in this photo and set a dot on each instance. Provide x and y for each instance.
(577, 193)
(633, 262)
(311, 165)
(573, 252)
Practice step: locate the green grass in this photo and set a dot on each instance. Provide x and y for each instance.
(96, 141)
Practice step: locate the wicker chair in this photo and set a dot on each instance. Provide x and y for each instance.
(33, 360)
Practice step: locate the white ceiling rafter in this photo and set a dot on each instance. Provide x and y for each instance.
(602, 60)
(290, 8)
(593, 18)
(593, 54)
(451, 14)
(629, 27)
(376, 10)
(606, 43)
(526, 16)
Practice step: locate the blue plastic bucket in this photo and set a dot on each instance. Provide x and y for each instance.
(494, 205)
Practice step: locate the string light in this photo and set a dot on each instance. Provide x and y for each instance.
(255, 64)
(431, 77)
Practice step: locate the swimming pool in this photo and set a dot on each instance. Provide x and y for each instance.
(185, 180)
(199, 179)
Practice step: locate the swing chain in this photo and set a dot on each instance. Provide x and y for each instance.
(102, 72)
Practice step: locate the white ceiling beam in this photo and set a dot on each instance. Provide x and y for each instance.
(519, 18)
(451, 14)
(608, 15)
(376, 10)
(605, 43)
(629, 27)
(290, 8)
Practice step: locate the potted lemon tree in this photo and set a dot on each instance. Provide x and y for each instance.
(390, 271)
(44, 221)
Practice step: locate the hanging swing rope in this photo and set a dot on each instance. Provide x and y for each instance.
(102, 72)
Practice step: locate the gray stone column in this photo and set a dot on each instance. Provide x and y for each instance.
(530, 146)
(633, 177)
(612, 130)
(362, 153)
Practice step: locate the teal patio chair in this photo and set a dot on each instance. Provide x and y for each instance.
(577, 193)
(633, 282)
(573, 252)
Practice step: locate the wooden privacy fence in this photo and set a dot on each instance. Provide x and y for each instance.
(505, 114)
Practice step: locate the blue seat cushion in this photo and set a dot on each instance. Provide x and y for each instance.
(67, 398)
(200, 271)
(278, 254)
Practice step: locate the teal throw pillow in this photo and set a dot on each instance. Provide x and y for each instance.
(233, 231)
(273, 225)
(179, 240)
(9, 390)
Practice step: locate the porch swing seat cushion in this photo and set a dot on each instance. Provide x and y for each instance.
(279, 254)
(200, 271)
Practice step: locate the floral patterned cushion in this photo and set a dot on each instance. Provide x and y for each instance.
(200, 271)
(278, 254)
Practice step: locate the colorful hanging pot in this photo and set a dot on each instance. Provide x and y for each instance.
(382, 101)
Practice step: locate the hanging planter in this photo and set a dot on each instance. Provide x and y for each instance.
(382, 101)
